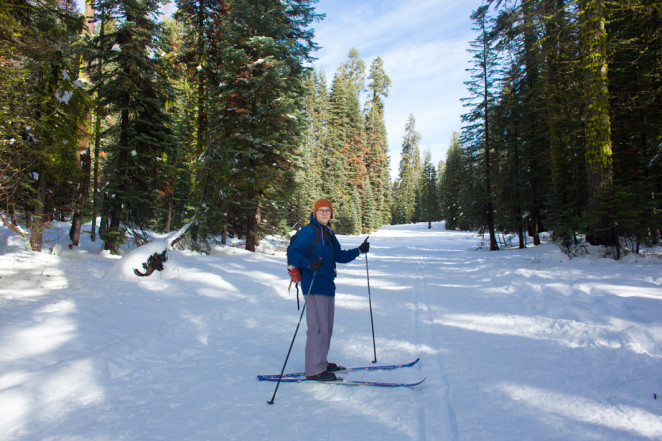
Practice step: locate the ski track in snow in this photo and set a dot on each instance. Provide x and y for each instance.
(514, 345)
(436, 410)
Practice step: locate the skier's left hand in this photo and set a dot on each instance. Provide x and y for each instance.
(365, 246)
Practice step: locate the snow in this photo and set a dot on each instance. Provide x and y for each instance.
(514, 345)
(63, 96)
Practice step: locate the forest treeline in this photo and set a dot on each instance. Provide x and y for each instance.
(563, 130)
(214, 118)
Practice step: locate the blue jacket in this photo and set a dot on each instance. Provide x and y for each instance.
(298, 256)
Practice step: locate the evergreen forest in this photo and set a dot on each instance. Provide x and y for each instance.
(214, 119)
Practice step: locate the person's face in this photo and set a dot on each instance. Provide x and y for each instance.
(323, 215)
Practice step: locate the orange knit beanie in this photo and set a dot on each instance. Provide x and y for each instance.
(322, 203)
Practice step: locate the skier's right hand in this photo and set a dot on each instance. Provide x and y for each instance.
(316, 264)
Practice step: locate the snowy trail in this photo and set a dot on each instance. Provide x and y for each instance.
(515, 345)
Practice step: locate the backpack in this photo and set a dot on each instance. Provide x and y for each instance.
(295, 272)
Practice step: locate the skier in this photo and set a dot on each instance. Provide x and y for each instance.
(320, 270)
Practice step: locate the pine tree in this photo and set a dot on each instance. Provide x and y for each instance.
(372, 217)
(135, 91)
(178, 202)
(429, 203)
(354, 70)
(534, 130)
(14, 74)
(507, 130)
(355, 147)
(336, 167)
(399, 206)
(451, 184)
(199, 63)
(441, 168)
(355, 218)
(92, 15)
(518, 142)
(377, 158)
(321, 116)
(41, 105)
(409, 173)
(85, 146)
(565, 200)
(593, 37)
(200, 24)
(477, 131)
(260, 104)
(308, 178)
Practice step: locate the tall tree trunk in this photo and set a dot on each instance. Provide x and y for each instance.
(85, 156)
(112, 240)
(533, 141)
(559, 157)
(39, 214)
(81, 198)
(597, 123)
(518, 196)
(89, 12)
(95, 178)
(488, 181)
(252, 227)
(170, 194)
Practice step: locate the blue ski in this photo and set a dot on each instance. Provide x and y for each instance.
(340, 381)
(274, 377)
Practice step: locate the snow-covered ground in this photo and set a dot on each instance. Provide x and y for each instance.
(514, 345)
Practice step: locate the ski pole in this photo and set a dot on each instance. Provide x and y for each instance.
(305, 301)
(372, 324)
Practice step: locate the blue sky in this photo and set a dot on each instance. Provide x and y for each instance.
(423, 45)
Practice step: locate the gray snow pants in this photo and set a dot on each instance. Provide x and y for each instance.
(319, 318)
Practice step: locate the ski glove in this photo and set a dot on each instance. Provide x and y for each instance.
(316, 264)
(365, 246)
